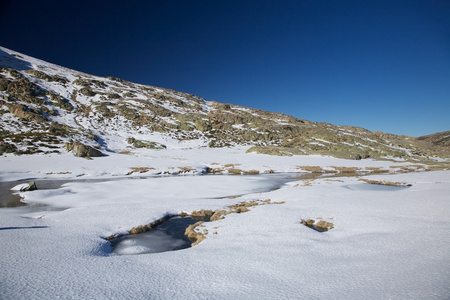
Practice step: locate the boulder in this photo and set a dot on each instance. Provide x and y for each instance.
(82, 150)
(25, 187)
(324, 226)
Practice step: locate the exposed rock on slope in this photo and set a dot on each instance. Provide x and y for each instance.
(44, 106)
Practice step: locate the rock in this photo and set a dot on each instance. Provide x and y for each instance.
(356, 156)
(30, 186)
(81, 150)
(309, 223)
(320, 226)
(324, 226)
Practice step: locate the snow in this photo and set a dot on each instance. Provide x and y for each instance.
(387, 243)
(179, 154)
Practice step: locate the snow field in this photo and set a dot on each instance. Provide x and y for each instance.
(385, 244)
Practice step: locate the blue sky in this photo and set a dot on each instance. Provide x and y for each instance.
(381, 65)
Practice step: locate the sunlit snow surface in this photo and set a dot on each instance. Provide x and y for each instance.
(390, 244)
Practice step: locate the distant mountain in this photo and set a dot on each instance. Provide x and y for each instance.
(45, 108)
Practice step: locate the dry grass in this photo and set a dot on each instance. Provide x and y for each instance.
(376, 170)
(126, 152)
(139, 170)
(385, 182)
(438, 168)
(194, 235)
(335, 180)
(234, 171)
(346, 170)
(215, 170)
(252, 172)
(409, 168)
(231, 165)
(58, 173)
(186, 169)
(313, 169)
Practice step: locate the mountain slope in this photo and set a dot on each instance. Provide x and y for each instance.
(438, 139)
(48, 108)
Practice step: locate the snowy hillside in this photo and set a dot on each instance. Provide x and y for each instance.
(387, 217)
(45, 108)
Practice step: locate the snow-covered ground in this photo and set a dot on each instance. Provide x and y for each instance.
(386, 243)
(168, 161)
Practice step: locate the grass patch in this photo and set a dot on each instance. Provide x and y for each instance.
(139, 170)
(231, 165)
(234, 171)
(186, 170)
(385, 182)
(312, 169)
(346, 170)
(252, 172)
(126, 152)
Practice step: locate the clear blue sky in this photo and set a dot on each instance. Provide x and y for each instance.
(381, 65)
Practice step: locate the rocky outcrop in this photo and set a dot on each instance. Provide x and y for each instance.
(82, 150)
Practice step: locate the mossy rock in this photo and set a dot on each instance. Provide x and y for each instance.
(88, 92)
(26, 113)
(25, 91)
(145, 144)
(82, 150)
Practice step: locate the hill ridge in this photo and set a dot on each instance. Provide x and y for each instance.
(46, 108)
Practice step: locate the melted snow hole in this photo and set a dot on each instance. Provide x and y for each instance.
(168, 236)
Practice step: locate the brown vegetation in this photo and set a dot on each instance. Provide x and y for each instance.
(385, 182)
(320, 226)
